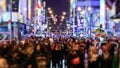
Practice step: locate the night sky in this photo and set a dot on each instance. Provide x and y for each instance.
(58, 6)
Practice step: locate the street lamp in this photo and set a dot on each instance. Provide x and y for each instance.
(81, 12)
(90, 22)
(62, 17)
(79, 19)
(50, 11)
(64, 13)
(52, 16)
(89, 8)
(10, 22)
(79, 9)
(49, 8)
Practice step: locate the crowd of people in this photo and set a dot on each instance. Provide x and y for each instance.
(36, 52)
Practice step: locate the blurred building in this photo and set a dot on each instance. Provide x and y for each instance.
(87, 16)
(39, 17)
(113, 16)
(12, 22)
(57, 7)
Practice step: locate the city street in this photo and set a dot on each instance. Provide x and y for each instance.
(59, 33)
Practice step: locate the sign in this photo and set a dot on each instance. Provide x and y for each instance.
(2, 6)
(15, 17)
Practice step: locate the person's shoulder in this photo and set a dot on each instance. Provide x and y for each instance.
(3, 62)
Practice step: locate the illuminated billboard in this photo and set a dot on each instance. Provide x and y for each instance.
(15, 17)
(2, 6)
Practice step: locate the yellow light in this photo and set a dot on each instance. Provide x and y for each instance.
(29, 9)
(64, 13)
(55, 19)
(49, 8)
(62, 17)
(3, 5)
(50, 11)
(51, 15)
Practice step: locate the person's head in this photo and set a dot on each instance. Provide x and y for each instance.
(71, 41)
(30, 48)
(46, 41)
(57, 45)
(3, 63)
(76, 40)
(38, 47)
(104, 49)
(93, 50)
(119, 50)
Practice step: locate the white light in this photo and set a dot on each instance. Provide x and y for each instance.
(89, 8)
(83, 12)
(49, 8)
(50, 11)
(25, 9)
(37, 27)
(64, 13)
(49, 27)
(79, 9)
(102, 12)
(82, 20)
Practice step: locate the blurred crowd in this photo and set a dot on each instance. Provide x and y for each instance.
(34, 52)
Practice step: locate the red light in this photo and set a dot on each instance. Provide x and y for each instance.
(38, 5)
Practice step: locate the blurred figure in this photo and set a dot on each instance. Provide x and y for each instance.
(39, 57)
(13, 56)
(57, 55)
(75, 56)
(115, 61)
(3, 63)
(119, 56)
(93, 57)
(47, 48)
(26, 54)
(106, 58)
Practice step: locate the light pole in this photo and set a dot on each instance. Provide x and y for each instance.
(84, 17)
(90, 17)
(72, 13)
(47, 19)
(79, 10)
(74, 21)
(52, 16)
(10, 21)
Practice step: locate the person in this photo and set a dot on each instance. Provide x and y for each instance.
(39, 57)
(106, 58)
(13, 56)
(93, 57)
(75, 59)
(26, 54)
(115, 61)
(47, 48)
(82, 54)
(3, 63)
(119, 57)
(57, 55)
